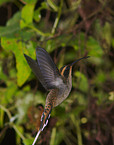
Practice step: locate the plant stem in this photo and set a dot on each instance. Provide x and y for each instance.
(38, 31)
(54, 7)
(57, 18)
(7, 111)
(76, 122)
(78, 132)
(18, 132)
(53, 136)
(12, 124)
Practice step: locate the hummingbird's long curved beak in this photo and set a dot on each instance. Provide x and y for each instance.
(78, 60)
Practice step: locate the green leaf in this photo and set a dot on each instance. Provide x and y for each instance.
(23, 103)
(94, 48)
(106, 34)
(25, 35)
(50, 45)
(78, 42)
(20, 131)
(59, 136)
(12, 27)
(94, 51)
(81, 81)
(112, 42)
(62, 40)
(31, 49)
(37, 13)
(22, 107)
(53, 135)
(112, 74)
(27, 15)
(102, 96)
(14, 20)
(52, 5)
(29, 1)
(100, 78)
(111, 96)
(11, 89)
(3, 1)
(1, 118)
(2, 75)
(23, 70)
(80, 108)
(28, 141)
(9, 31)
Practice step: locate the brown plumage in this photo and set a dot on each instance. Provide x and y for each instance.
(58, 82)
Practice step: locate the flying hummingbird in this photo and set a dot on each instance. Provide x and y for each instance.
(57, 82)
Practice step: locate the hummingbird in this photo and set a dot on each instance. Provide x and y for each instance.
(57, 82)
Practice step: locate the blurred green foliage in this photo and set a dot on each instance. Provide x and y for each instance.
(68, 30)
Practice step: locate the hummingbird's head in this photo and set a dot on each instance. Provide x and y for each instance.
(66, 70)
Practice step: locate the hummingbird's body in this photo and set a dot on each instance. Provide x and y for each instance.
(56, 97)
(58, 82)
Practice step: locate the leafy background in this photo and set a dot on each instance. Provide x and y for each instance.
(68, 30)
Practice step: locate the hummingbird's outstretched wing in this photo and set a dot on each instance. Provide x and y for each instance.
(45, 69)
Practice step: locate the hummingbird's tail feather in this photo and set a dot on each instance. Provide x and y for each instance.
(45, 116)
(37, 135)
(44, 120)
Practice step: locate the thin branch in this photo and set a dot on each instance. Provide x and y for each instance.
(57, 18)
